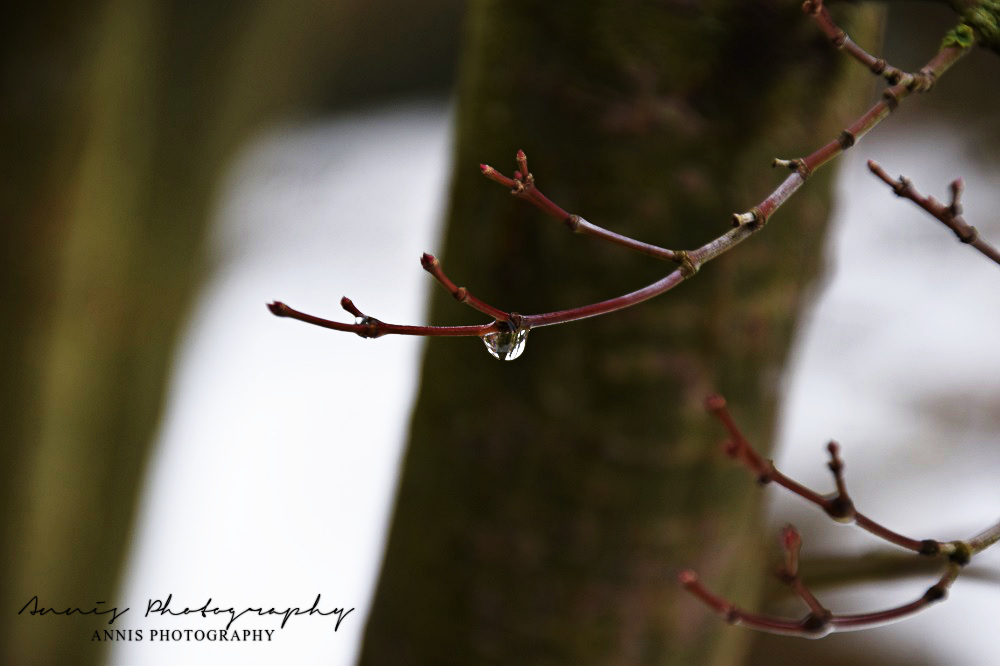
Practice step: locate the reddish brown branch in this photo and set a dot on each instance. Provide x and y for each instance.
(950, 215)
(936, 592)
(733, 614)
(820, 621)
(838, 505)
(369, 327)
(523, 186)
(791, 541)
(461, 294)
(891, 97)
(746, 224)
(843, 41)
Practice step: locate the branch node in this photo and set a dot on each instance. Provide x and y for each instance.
(840, 509)
(929, 548)
(846, 139)
(969, 235)
(371, 328)
(686, 266)
(754, 218)
(817, 623)
(891, 99)
(935, 592)
(798, 165)
(960, 553)
(901, 187)
(923, 80)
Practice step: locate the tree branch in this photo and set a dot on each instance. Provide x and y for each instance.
(369, 327)
(522, 185)
(820, 621)
(950, 215)
(746, 224)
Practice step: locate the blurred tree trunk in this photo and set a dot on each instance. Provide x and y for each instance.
(117, 119)
(546, 505)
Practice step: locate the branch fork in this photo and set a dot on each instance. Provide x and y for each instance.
(950, 215)
(820, 621)
(523, 186)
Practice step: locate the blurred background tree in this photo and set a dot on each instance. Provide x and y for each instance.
(118, 118)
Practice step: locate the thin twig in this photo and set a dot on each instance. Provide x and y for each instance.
(815, 625)
(369, 327)
(461, 294)
(950, 215)
(523, 186)
(791, 541)
(984, 539)
(843, 41)
(838, 505)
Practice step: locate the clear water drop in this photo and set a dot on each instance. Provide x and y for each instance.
(507, 343)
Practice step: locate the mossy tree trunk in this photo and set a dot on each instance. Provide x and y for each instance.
(546, 505)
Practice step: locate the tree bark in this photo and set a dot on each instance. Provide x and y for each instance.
(546, 505)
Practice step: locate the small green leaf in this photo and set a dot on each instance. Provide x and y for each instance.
(961, 35)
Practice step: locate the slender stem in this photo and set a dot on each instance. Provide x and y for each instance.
(838, 506)
(797, 488)
(884, 533)
(604, 307)
(950, 215)
(373, 328)
(733, 614)
(984, 539)
(461, 294)
(843, 41)
(936, 592)
(523, 185)
(820, 621)
(582, 226)
(791, 541)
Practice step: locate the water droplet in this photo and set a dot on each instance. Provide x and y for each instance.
(507, 343)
